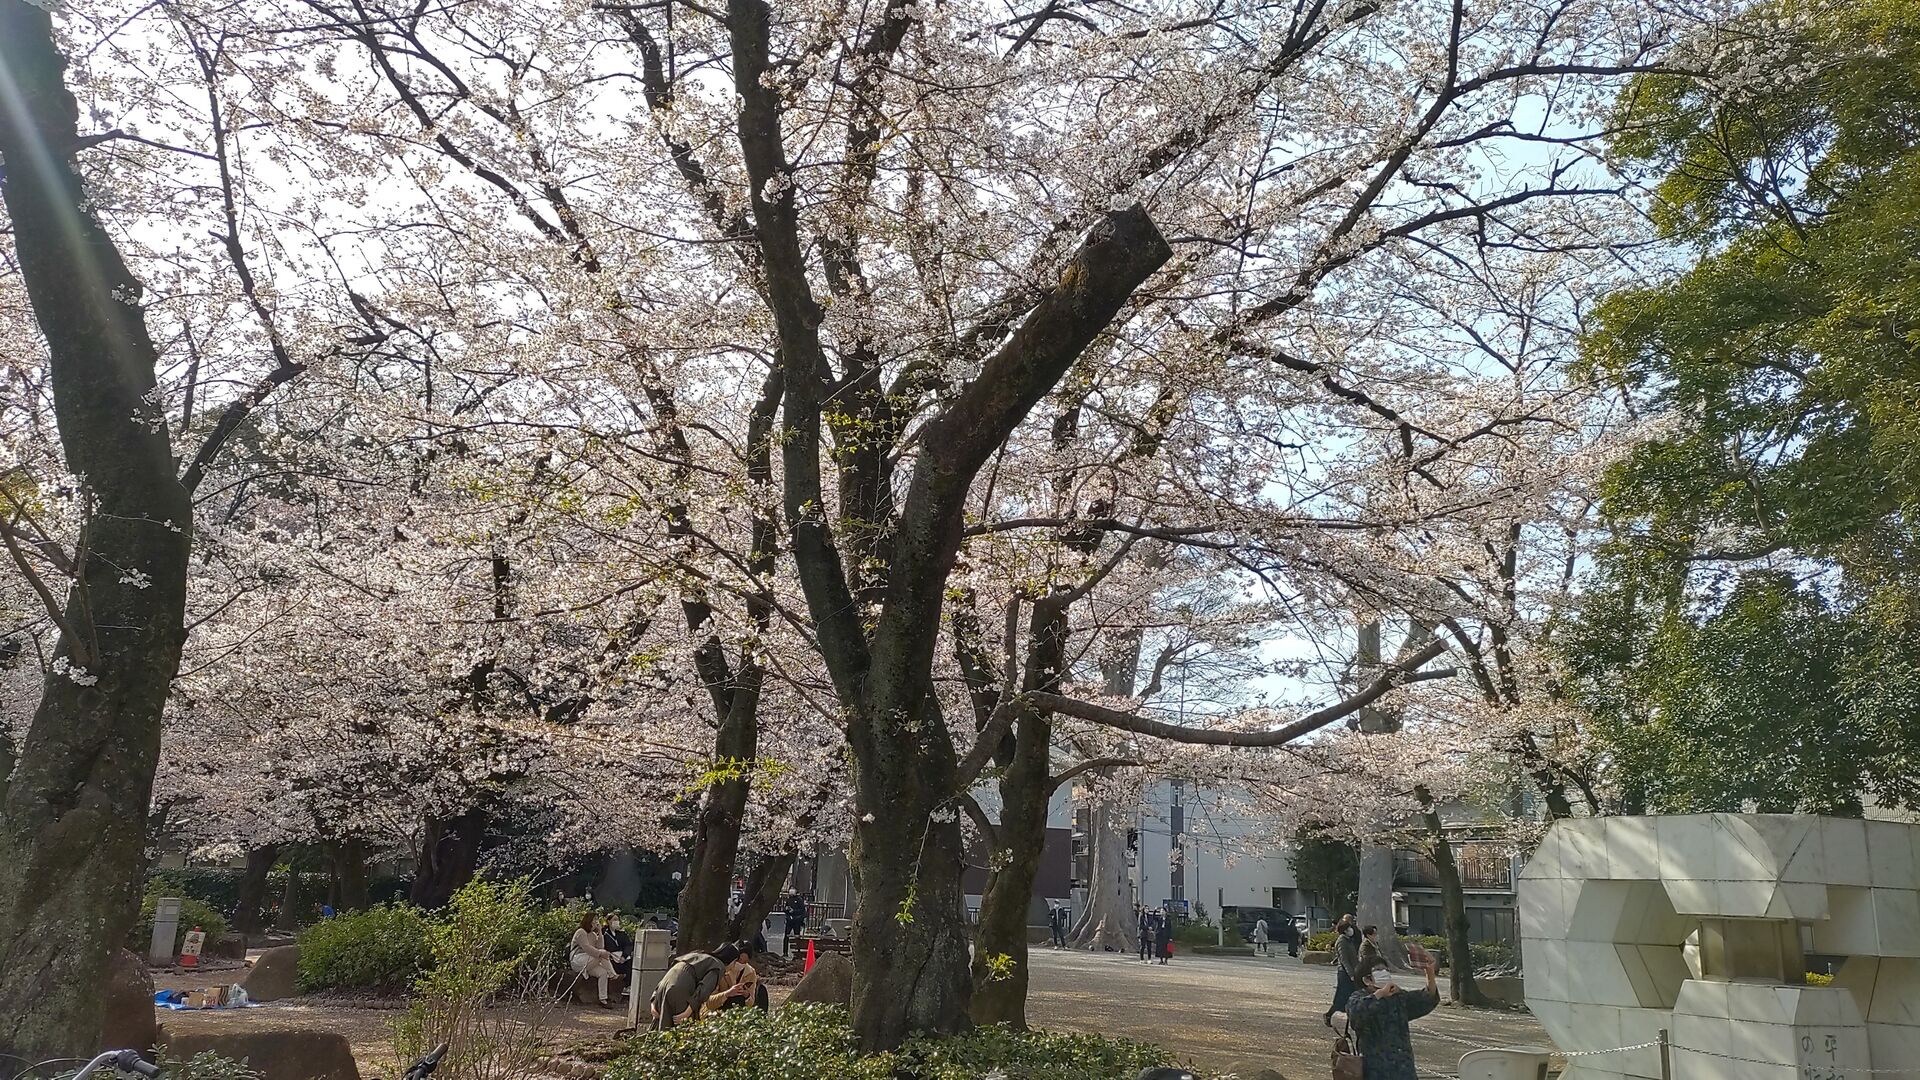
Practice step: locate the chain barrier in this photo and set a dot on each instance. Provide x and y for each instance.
(1822, 1072)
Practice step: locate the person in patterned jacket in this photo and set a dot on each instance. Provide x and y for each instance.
(1381, 1013)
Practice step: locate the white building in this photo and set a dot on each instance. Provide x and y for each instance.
(1194, 848)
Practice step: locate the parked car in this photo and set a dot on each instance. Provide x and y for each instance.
(1244, 919)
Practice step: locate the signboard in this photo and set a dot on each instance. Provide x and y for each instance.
(190, 948)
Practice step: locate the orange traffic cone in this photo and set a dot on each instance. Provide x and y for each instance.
(810, 956)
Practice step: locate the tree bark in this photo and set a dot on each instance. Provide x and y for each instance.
(1453, 907)
(249, 907)
(1108, 922)
(349, 860)
(716, 830)
(75, 792)
(762, 895)
(449, 855)
(1376, 900)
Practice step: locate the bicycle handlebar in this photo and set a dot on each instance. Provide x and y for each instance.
(124, 1060)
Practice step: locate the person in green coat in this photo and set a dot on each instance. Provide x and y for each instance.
(1382, 1013)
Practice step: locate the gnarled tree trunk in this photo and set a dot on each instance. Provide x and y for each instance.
(1453, 906)
(762, 895)
(449, 855)
(1107, 921)
(74, 794)
(349, 861)
(250, 906)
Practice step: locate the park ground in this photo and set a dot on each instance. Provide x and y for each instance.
(1215, 1012)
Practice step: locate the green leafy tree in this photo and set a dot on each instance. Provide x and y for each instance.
(1752, 634)
(1329, 869)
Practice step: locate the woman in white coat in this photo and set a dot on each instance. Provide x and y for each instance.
(589, 957)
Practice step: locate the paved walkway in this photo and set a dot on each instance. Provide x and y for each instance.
(1223, 1012)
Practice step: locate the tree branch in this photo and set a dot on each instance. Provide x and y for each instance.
(1403, 674)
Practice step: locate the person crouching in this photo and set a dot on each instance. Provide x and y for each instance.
(739, 985)
(688, 985)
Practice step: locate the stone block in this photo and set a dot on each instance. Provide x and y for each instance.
(830, 982)
(126, 998)
(1740, 851)
(1890, 854)
(1686, 847)
(1844, 852)
(275, 1053)
(1798, 901)
(1848, 929)
(1896, 918)
(1692, 896)
(1633, 848)
(275, 974)
(1742, 899)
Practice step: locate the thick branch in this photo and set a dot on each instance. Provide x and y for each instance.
(1401, 675)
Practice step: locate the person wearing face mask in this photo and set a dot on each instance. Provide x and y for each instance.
(1381, 1013)
(1346, 955)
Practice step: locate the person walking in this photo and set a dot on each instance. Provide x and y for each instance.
(1260, 938)
(1369, 949)
(1144, 931)
(1163, 938)
(1381, 1013)
(796, 922)
(1057, 918)
(1292, 933)
(1346, 954)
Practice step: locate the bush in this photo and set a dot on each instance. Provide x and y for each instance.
(1497, 955)
(814, 1042)
(1199, 932)
(493, 940)
(383, 948)
(216, 887)
(204, 1066)
(192, 913)
(1322, 941)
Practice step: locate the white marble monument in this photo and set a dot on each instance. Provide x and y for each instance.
(1608, 905)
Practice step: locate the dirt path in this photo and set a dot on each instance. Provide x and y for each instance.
(1214, 1012)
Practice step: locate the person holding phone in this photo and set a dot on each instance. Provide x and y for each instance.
(1381, 1013)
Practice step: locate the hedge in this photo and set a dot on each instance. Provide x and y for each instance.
(815, 1042)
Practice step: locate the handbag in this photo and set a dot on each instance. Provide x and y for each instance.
(1347, 1065)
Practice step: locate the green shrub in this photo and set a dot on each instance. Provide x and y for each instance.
(192, 913)
(1322, 941)
(1198, 932)
(204, 1066)
(1815, 978)
(814, 1042)
(493, 940)
(1492, 954)
(383, 948)
(217, 887)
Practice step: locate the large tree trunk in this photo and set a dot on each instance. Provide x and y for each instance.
(1376, 899)
(1107, 922)
(1000, 941)
(1026, 785)
(74, 795)
(449, 855)
(249, 907)
(349, 859)
(716, 829)
(764, 882)
(1453, 906)
(910, 939)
